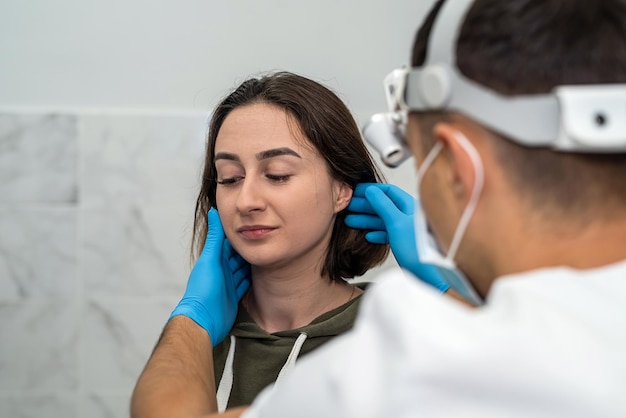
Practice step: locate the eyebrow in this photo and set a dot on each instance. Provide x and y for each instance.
(276, 152)
(263, 155)
(226, 156)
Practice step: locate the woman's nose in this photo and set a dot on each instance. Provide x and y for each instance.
(250, 196)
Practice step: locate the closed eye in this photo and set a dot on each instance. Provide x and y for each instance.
(230, 181)
(278, 178)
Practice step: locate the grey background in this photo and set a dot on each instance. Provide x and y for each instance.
(103, 112)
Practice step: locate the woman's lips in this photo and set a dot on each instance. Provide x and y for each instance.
(255, 231)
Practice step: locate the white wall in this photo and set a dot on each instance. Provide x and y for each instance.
(177, 57)
(103, 112)
(186, 53)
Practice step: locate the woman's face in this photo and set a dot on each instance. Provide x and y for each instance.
(275, 197)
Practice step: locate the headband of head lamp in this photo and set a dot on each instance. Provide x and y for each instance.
(576, 118)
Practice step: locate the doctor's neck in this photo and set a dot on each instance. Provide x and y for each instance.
(521, 242)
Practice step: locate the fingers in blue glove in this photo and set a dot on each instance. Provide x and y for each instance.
(383, 205)
(242, 288)
(240, 270)
(387, 211)
(217, 282)
(359, 190)
(403, 201)
(372, 209)
(360, 205)
(215, 231)
(377, 237)
(360, 221)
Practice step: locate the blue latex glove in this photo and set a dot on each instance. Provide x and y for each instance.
(388, 211)
(217, 283)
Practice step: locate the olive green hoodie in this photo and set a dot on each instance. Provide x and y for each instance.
(259, 357)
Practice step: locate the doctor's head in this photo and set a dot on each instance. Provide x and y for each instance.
(283, 157)
(534, 199)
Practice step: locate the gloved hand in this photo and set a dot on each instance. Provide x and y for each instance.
(217, 283)
(388, 212)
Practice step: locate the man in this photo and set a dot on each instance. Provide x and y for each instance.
(517, 124)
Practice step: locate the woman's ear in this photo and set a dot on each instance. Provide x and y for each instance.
(461, 170)
(343, 195)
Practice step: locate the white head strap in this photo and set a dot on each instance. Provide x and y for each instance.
(582, 118)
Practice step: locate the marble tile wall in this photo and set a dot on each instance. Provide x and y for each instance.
(95, 221)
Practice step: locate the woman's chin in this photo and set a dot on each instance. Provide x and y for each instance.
(265, 263)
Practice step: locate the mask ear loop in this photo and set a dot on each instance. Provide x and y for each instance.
(434, 152)
(479, 172)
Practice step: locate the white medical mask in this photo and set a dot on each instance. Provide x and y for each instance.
(427, 250)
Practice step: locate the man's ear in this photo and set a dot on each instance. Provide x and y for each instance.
(343, 195)
(462, 174)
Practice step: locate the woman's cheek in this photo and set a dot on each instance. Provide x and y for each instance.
(226, 216)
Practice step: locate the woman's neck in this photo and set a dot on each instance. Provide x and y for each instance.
(278, 301)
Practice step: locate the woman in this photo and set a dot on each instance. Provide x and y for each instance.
(283, 158)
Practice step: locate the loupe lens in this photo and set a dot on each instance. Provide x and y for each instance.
(383, 133)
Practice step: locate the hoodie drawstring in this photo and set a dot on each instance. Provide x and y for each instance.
(293, 356)
(226, 382)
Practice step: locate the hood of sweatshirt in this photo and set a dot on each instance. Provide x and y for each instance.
(250, 358)
(329, 324)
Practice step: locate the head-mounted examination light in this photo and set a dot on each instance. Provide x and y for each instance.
(577, 118)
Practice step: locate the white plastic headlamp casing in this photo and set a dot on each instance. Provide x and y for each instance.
(578, 118)
(593, 118)
(385, 132)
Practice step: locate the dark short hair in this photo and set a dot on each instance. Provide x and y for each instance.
(529, 47)
(328, 125)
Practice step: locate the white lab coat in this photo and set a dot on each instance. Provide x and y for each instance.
(548, 343)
